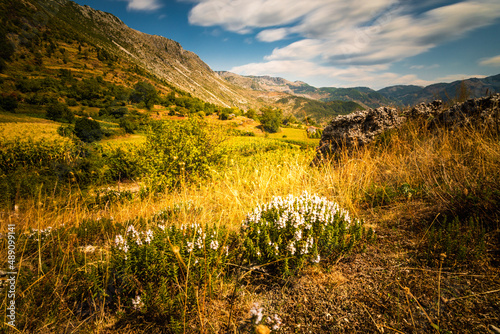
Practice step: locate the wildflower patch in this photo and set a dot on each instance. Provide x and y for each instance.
(289, 232)
(162, 268)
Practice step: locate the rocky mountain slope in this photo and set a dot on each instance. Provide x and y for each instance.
(363, 96)
(412, 95)
(402, 95)
(157, 55)
(39, 28)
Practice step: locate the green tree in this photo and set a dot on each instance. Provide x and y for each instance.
(182, 151)
(251, 113)
(59, 111)
(144, 92)
(88, 130)
(8, 102)
(271, 119)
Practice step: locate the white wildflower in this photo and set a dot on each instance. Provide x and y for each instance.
(137, 303)
(214, 244)
(298, 235)
(256, 312)
(190, 246)
(275, 322)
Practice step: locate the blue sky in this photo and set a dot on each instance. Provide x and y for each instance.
(337, 43)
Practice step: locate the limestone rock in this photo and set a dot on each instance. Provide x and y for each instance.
(357, 129)
(362, 127)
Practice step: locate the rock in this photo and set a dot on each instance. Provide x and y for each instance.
(357, 129)
(362, 127)
(482, 113)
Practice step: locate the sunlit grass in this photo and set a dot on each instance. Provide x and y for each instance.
(410, 176)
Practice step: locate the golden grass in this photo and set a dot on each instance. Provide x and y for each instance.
(443, 165)
(33, 130)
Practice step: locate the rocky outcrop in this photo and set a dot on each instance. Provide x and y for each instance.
(481, 113)
(357, 129)
(362, 127)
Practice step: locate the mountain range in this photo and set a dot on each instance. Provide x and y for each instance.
(32, 31)
(401, 95)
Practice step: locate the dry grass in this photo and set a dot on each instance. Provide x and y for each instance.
(386, 288)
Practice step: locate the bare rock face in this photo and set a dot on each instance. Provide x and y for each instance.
(357, 129)
(362, 127)
(481, 113)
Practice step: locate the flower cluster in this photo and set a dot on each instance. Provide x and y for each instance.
(40, 235)
(293, 229)
(133, 235)
(257, 315)
(137, 303)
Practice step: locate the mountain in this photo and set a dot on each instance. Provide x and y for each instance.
(411, 95)
(46, 40)
(50, 36)
(31, 24)
(364, 96)
(403, 95)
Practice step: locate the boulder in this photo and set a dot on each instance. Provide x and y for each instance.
(362, 127)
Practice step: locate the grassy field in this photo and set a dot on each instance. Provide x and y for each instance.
(431, 197)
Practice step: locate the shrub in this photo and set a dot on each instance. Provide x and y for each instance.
(184, 151)
(271, 119)
(165, 270)
(128, 124)
(462, 242)
(88, 130)
(146, 93)
(59, 111)
(65, 131)
(8, 102)
(288, 232)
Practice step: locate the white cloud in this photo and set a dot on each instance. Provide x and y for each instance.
(375, 76)
(272, 35)
(335, 35)
(143, 5)
(243, 15)
(493, 61)
(424, 67)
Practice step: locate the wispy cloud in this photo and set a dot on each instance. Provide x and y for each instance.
(143, 5)
(339, 34)
(493, 61)
(374, 76)
(272, 35)
(424, 67)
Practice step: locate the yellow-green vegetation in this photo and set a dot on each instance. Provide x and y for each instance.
(25, 130)
(224, 231)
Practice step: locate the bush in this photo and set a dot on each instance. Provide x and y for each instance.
(59, 112)
(88, 130)
(146, 93)
(182, 151)
(165, 270)
(461, 242)
(271, 119)
(8, 102)
(129, 125)
(288, 232)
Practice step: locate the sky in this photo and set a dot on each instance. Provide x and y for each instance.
(328, 43)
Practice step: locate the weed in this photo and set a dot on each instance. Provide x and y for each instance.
(462, 242)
